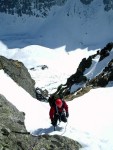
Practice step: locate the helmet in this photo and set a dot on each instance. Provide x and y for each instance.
(58, 102)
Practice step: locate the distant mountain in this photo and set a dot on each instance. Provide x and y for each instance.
(38, 8)
(78, 24)
(55, 23)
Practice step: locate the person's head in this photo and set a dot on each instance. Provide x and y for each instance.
(58, 103)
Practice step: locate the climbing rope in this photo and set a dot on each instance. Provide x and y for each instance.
(65, 128)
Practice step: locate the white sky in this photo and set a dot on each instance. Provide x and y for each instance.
(64, 41)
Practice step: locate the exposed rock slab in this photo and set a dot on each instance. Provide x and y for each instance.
(19, 73)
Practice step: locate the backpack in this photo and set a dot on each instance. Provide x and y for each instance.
(52, 100)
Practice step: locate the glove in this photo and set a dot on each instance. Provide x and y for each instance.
(67, 114)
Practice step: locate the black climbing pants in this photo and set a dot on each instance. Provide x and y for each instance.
(60, 117)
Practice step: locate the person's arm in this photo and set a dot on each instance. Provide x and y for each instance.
(51, 113)
(66, 109)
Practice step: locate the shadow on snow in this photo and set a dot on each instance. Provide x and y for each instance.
(46, 130)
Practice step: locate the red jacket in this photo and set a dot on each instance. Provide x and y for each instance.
(53, 110)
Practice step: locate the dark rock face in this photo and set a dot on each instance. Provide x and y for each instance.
(12, 127)
(13, 134)
(108, 5)
(41, 95)
(19, 73)
(57, 142)
(38, 8)
(86, 2)
(101, 80)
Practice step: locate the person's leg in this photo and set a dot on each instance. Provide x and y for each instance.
(63, 117)
(56, 117)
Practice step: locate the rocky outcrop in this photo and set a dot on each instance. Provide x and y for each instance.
(36, 8)
(13, 134)
(86, 2)
(86, 84)
(40, 8)
(56, 142)
(108, 4)
(19, 73)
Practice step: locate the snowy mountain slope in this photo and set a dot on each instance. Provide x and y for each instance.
(60, 64)
(77, 24)
(90, 122)
(92, 72)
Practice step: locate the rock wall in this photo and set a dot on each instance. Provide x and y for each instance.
(19, 73)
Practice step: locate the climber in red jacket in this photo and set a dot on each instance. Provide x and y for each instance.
(59, 111)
